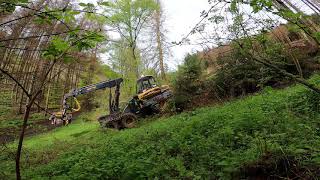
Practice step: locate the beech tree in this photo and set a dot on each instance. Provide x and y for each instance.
(128, 18)
(158, 27)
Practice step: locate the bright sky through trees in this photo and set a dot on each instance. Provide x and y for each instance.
(181, 17)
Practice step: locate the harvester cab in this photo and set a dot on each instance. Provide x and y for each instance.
(145, 83)
(148, 88)
(150, 97)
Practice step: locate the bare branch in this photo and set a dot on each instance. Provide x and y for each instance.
(16, 81)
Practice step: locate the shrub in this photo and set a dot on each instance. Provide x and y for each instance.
(239, 74)
(187, 81)
(304, 103)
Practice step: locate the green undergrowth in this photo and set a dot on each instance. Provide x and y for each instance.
(15, 121)
(224, 142)
(8, 119)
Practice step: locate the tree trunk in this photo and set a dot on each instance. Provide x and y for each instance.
(316, 3)
(21, 138)
(306, 25)
(311, 6)
(47, 100)
(159, 41)
(289, 75)
(136, 63)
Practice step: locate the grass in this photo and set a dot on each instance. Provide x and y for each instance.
(272, 130)
(10, 120)
(15, 121)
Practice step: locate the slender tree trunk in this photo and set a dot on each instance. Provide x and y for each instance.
(306, 25)
(316, 3)
(21, 138)
(292, 5)
(30, 101)
(289, 75)
(18, 154)
(312, 6)
(159, 41)
(136, 63)
(297, 64)
(47, 99)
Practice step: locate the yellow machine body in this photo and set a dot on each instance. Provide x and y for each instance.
(78, 108)
(152, 92)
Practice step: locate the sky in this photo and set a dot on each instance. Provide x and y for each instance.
(181, 17)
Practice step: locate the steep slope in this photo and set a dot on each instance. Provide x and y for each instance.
(275, 134)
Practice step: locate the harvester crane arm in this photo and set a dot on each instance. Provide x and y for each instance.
(93, 87)
(114, 105)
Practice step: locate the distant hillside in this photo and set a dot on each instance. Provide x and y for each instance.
(298, 45)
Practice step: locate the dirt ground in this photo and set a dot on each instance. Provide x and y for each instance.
(10, 134)
(277, 166)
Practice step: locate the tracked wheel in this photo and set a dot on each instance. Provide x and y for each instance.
(128, 120)
(110, 121)
(117, 121)
(103, 120)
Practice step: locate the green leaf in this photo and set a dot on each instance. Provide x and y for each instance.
(68, 59)
(60, 44)
(104, 3)
(74, 12)
(317, 36)
(23, 1)
(233, 6)
(216, 19)
(83, 4)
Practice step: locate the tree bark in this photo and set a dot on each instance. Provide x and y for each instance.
(159, 41)
(306, 25)
(136, 63)
(24, 126)
(30, 101)
(312, 6)
(289, 75)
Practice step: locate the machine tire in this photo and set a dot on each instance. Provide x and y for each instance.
(67, 120)
(116, 125)
(109, 121)
(128, 120)
(103, 120)
(127, 109)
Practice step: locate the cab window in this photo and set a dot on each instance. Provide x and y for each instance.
(146, 84)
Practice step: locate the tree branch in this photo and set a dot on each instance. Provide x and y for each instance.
(16, 81)
(44, 35)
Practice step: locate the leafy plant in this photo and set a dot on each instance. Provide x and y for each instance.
(187, 81)
(239, 74)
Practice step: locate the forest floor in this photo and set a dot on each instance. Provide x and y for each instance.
(10, 126)
(271, 135)
(10, 134)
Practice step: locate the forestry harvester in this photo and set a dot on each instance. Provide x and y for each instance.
(148, 101)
